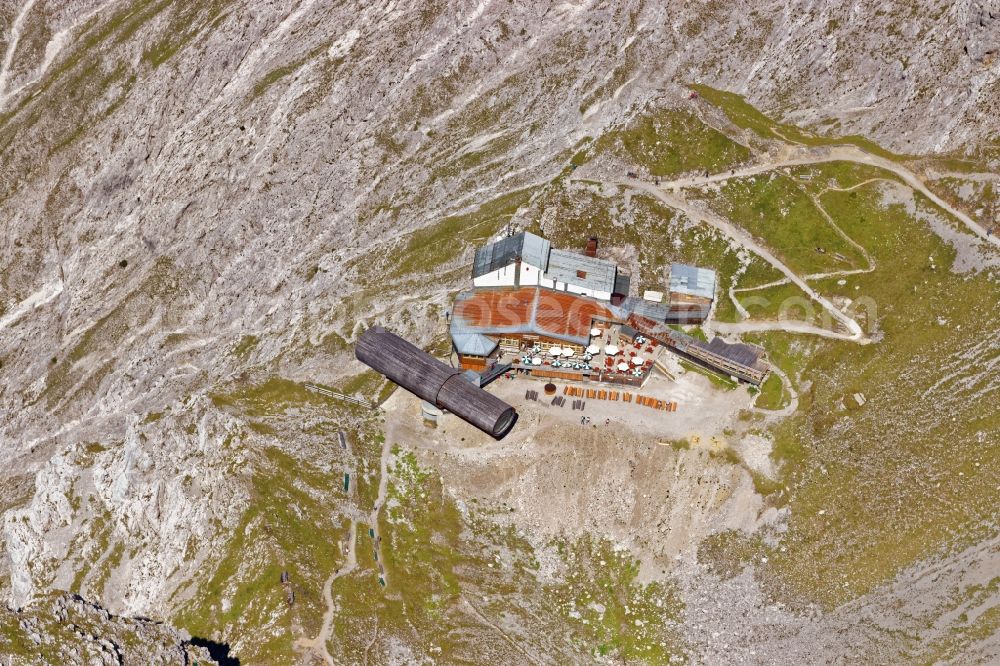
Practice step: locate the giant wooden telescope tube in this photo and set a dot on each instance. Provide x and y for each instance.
(428, 378)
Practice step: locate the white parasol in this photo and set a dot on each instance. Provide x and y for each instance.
(637, 360)
(594, 349)
(623, 366)
(567, 352)
(594, 332)
(555, 351)
(611, 349)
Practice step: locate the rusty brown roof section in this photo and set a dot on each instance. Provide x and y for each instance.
(530, 310)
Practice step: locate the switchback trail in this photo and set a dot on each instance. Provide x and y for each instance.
(677, 202)
(819, 276)
(318, 644)
(669, 193)
(793, 396)
(842, 153)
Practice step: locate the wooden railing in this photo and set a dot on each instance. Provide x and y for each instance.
(340, 396)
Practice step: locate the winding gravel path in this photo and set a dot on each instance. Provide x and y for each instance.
(793, 396)
(855, 332)
(319, 643)
(326, 629)
(805, 156)
(669, 193)
(820, 276)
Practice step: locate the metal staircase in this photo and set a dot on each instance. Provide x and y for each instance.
(489, 374)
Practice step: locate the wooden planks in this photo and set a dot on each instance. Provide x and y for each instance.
(623, 396)
(428, 378)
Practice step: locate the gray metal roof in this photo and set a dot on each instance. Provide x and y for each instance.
(525, 246)
(688, 314)
(692, 281)
(644, 308)
(475, 344)
(473, 377)
(737, 352)
(579, 269)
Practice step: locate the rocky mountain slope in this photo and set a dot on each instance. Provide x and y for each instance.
(65, 629)
(201, 203)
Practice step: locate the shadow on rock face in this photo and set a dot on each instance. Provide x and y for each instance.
(218, 651)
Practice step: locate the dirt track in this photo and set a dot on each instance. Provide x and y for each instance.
(846, 153)
(678, 202)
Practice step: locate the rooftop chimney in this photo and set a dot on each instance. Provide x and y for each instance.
(591, 250)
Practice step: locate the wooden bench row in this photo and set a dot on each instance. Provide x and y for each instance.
(624, 396)
(665, 405)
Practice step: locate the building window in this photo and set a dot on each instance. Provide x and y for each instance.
(510, 343)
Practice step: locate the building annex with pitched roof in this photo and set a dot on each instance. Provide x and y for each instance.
(528, 260)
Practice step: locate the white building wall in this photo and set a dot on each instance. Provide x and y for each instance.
(501, 278)
(584, 291)
(572, 288)
(530, 275)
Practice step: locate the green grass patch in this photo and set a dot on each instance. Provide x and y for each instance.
(279, 73)
(288, 526)
(668, 143)
(780, 303)
(816, 177)
(245, 346)
(744, 115)
(368, 384)
(680, 444)
(696, 332)
(772, 393)
(775, 209)
(929, 409)
(185, 23)
(428, 248)
(273, 397)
